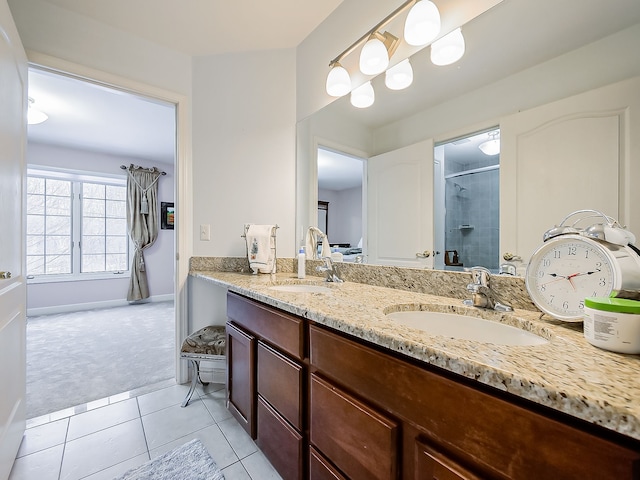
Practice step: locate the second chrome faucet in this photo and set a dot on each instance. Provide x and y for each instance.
(482, 294)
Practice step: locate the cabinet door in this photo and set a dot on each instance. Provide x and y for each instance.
(361, 442)
(241, 383)
(280, 383)
(434, 465)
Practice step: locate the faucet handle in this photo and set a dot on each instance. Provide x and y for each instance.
(480, 275)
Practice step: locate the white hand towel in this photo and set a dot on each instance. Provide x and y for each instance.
(313, 235)
(261, 248)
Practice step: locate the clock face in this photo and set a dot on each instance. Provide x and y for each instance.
(564, 271)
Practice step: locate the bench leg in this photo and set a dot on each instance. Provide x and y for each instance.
(194, 381)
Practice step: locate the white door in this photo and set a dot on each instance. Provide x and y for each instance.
(573, 154)
(13, 89)
(400, 207)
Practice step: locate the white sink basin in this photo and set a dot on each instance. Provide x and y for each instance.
(302, 288)
(464, 327)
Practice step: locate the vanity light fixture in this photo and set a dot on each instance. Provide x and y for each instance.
(399, 76)
(377, 42)
(363, 96)
(35, 116)
(491, 146)
(448, 49)
(422, 24)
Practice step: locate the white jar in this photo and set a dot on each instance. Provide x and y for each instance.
(612, 324)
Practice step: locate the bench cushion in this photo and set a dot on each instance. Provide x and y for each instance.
(211, 340)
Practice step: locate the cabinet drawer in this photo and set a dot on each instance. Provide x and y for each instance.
(278, 328)
(280, 443)
(280, 383)
(358, 440)
(434, 465)
(320, 468)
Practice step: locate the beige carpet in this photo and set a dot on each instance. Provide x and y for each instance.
(78, 357)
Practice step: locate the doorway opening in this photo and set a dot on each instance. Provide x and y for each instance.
(340, 201)
(468, 196)
(91, 131)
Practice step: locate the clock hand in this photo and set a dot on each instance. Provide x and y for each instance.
(584, 273)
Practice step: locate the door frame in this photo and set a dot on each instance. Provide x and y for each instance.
(183, 178)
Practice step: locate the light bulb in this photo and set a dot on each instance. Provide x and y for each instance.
(363, 96)
(399, 76)
(338, 81)
(449, 49)
(422, 24)
(374, 58)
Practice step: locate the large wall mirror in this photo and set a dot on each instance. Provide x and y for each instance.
(543, 89)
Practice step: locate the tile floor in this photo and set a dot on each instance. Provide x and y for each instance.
(125, 431)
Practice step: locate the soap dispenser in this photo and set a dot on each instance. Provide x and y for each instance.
(302, 268)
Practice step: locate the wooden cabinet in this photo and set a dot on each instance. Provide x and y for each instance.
(271, 362)
(323, 405)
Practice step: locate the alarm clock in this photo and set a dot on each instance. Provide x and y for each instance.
(574, 263)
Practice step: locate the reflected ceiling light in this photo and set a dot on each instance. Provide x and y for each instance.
(422, 24)
(338, 81)
(449, 49)
(35, 116)
(491, 146)
(399, 76)
(363, 96)
(374, 57)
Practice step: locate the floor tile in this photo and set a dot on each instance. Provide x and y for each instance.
(119, 469)
(42, 465)
(43, 437)
(101, 418)
(103, 449)
(214, 441)
(240, 441)
(154, 401)
(171, 423)
(259, 467)
(235, 472)
(216, 407)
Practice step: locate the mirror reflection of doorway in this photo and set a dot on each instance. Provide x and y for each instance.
(471, 178)
(340, 184)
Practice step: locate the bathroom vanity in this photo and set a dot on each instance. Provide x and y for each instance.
(331, 388)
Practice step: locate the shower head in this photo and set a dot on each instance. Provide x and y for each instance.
(460, 188)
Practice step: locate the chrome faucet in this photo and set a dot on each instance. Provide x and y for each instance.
(331, 269)
(483, 295)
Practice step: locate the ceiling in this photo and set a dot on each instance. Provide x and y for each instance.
(511, 37)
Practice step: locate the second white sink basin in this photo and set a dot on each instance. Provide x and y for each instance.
(464, 327)
(306, 288)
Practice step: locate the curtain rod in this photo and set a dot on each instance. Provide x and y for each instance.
(124, 167)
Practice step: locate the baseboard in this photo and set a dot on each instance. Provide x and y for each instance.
(77, 307)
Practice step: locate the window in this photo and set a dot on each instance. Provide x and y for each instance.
(76, 225)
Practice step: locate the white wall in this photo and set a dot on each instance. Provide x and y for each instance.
(243, 148)
(345, 214)
(48, 297)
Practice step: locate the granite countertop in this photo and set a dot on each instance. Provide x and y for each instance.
(567, 374)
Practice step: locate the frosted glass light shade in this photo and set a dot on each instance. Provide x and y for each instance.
(422, 24)
(338, 81)
(490, 147)
(35, 116)
(374, 58)
(399, 76)
(363, 96)
(449, 49)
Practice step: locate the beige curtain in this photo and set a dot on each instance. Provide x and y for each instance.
(142, 222)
